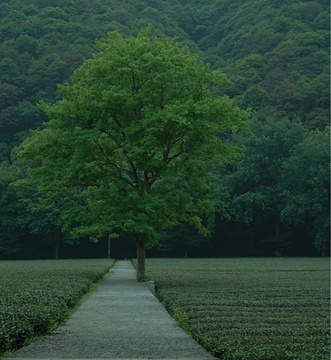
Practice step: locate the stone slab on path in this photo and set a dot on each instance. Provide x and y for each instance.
(123, 320)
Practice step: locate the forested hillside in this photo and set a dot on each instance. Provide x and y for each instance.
(275, 53)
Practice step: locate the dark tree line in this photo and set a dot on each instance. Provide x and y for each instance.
(275, 200)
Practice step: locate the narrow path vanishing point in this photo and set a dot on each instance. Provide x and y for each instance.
(122, 319)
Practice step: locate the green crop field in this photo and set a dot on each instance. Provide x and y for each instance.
(249, 308)
(35, 296)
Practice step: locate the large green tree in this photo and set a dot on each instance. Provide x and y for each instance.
(133, 139)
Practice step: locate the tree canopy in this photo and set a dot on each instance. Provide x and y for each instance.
(133, 139)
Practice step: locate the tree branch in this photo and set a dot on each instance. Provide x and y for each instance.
(120, 176)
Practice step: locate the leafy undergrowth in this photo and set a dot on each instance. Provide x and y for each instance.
(35, 296)
(252, 309)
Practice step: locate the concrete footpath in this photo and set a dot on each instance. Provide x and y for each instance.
(122, 319)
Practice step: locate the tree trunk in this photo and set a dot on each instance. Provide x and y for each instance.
(185, 252)
(108, 249)
(277, 230)
(56, 249)
(278, 253)
(141, 251)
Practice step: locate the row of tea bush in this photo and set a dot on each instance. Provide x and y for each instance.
(35, 296)
(249, 308)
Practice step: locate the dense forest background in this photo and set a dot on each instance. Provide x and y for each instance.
(273, 201)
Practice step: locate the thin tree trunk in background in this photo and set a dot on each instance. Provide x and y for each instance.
(185, 252)
(278, 250)
(108, 249)
(278, 253)
(56, 249)
(141, 253)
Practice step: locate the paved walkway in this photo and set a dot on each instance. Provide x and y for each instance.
(122, 319)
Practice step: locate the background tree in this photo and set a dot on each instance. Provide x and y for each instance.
(255, 182)
(134, 138)
(306, 179)
(9, 233)
(40, 216)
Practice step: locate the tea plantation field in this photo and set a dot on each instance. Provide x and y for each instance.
(249, 309)
(35, 296)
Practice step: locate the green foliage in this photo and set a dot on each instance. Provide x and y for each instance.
(36, 296)
(181, 238)
(38, 215)
(26, 216)
(134, 138)
(249, 308)
(254, 181)
(282, 180)
(307, 186)
(291, 39)
(42, 44)
(10, 233)
(276, 53)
